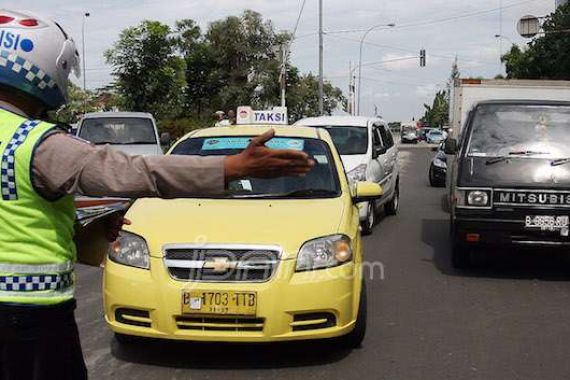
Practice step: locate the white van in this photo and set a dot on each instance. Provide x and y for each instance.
(368, 153)
(134, 133)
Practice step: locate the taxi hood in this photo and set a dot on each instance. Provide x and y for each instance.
(286, 223)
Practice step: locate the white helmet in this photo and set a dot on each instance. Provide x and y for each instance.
(36, 56)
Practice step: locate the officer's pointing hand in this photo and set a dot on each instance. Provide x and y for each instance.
(259, 161)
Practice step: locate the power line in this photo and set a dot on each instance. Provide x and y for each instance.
(407, 50)
(464, 15)
(299, 17)
(439, 20)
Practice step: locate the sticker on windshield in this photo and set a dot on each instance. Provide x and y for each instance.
(285, 143)
(225, 143)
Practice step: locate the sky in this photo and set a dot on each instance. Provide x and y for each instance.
(397, 87)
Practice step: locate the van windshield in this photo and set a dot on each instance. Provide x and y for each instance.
(349, 140)
(118, 131)
(502, 129)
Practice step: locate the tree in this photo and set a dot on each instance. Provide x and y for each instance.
(149, 75)
(238, 62)
(303, 96)
(547, 56)
(453, 76)
(183, 76)
(437, 115)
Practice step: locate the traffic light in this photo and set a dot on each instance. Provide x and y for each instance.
(423, 58)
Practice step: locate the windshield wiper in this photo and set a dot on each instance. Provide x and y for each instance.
(522, 153)
(309, 193)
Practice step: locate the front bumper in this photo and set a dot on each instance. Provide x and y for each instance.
(439, 174)
(506, 228)
(153, 300)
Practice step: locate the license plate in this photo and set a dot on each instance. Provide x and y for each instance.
(218, 302)
(548, 223)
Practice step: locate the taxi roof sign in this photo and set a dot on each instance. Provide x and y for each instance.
(248, 116)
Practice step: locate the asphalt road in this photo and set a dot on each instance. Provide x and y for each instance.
(507, 319)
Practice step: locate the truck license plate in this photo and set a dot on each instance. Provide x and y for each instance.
(219, 302)
(548, 223)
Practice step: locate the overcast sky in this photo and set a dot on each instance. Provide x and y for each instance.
(445, 28)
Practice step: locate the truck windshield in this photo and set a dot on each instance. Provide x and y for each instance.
(321, 182)
(120, 131)
(349, 140)
(503, 130)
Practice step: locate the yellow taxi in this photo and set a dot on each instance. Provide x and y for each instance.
(268, 260)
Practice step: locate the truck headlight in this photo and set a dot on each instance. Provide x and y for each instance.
(130, 249)
(477, 198)
(440, 163)
(473, 198)
(326, 252)
(357, 174)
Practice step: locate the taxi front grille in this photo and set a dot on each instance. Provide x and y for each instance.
(219, 324)
(221, 264)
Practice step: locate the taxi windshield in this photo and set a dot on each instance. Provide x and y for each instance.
(321, 182)
(502, 130)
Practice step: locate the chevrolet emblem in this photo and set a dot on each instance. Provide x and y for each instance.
(220, 265)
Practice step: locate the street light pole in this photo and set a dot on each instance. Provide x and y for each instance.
(321, 60)
(85, 15)
(360, 58)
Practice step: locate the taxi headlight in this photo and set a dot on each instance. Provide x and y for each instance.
(357, 174)
(326, 252)
(130, 249)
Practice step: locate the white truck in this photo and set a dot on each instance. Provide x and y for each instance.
(466, 93)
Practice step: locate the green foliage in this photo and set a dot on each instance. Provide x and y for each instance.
(303, 96)
(80, 102)
(181, 126)
(149, 75)
(547, 56)
(437, 115)
(189, 74)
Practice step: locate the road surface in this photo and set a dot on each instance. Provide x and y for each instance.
(509, 319)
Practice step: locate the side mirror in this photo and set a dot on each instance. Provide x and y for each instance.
(367, 191)
(378, 151)
(165, 139)
(450, 146)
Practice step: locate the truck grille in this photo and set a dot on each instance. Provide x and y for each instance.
(219, 264)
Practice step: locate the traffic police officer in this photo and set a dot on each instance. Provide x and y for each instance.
(41, 168)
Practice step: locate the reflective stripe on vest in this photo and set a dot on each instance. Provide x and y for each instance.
(43, 281)
(8, 177)
(36, 235)
(36, 282)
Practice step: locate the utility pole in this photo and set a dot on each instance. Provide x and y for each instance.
(284, 76)
(321, 60)
(85, 15)
(349, 106)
